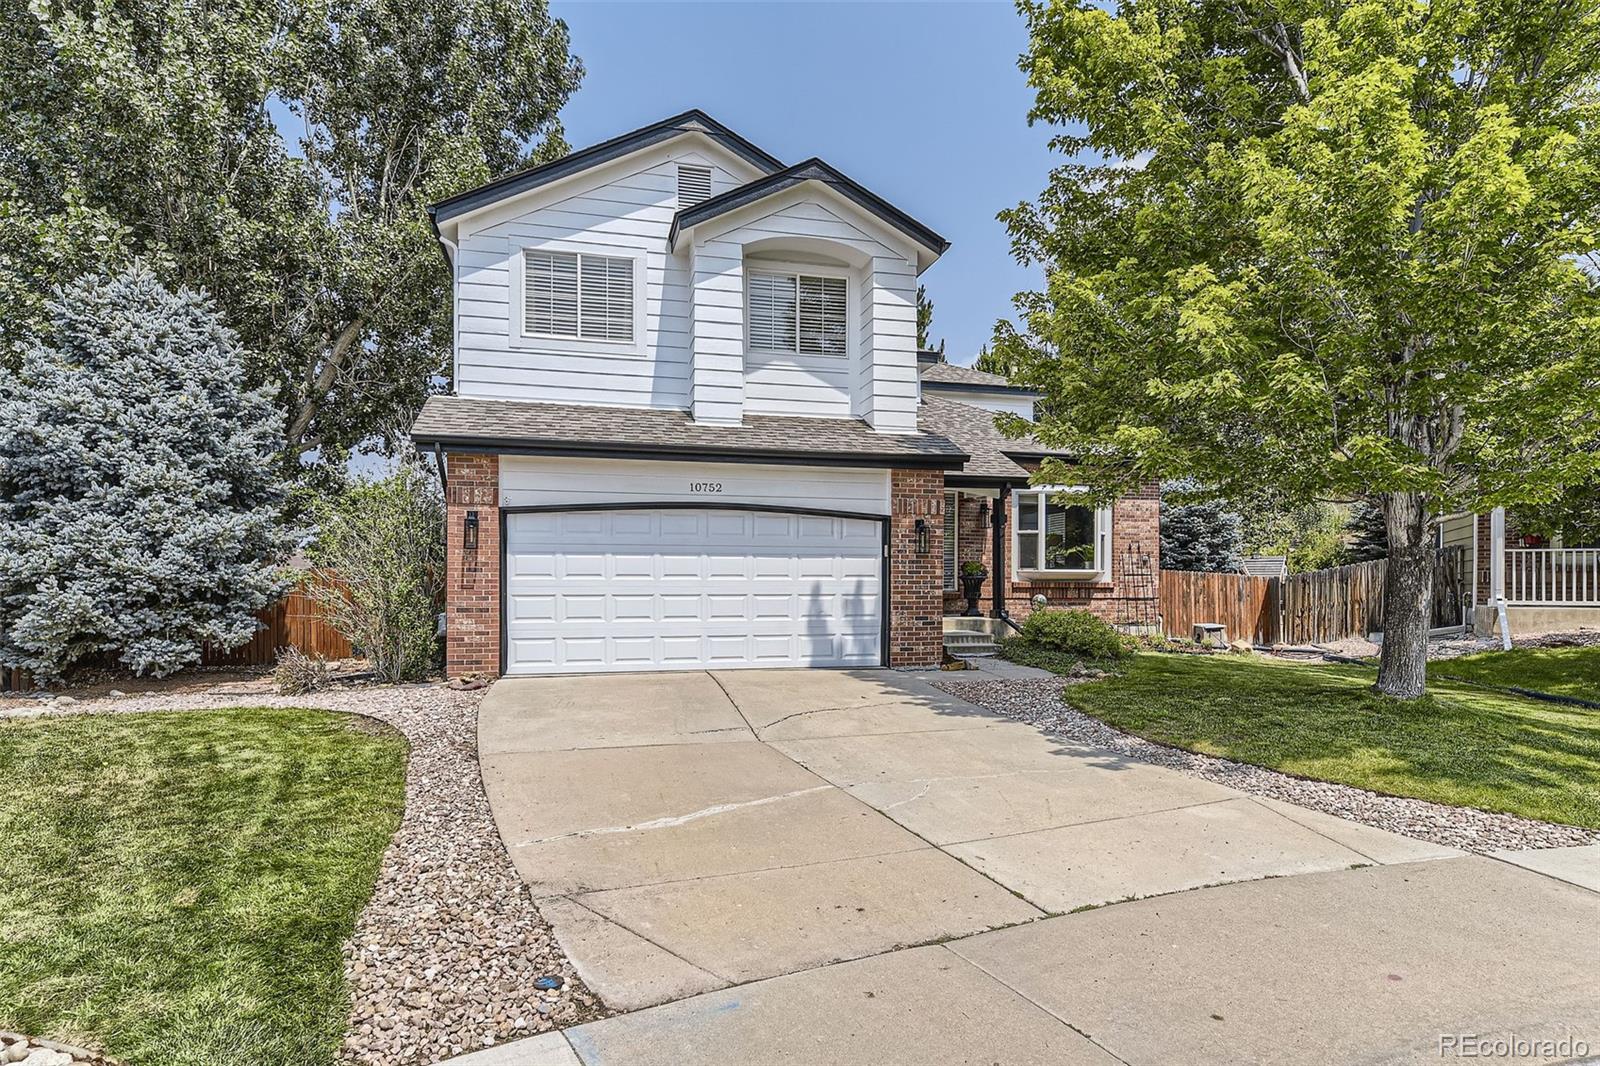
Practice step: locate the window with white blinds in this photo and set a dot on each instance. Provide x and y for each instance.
(694, 185)
(798, 313)
(570, 294)
(952, 504)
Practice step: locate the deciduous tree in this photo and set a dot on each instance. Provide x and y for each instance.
(278, 156)
(1340, 247)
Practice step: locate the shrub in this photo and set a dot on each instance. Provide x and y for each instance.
(139, 509)
(384, 540)
(299, 673)
(1074, 632)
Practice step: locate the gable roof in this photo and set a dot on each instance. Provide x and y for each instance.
(693, 121)
(992, 455)
(807, 170)
(952, 378)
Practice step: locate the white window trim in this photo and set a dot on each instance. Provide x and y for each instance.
(519, 337)
(851, 296)
(1102, 535)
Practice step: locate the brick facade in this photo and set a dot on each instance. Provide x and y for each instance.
(974, 544)
(472, 576)
(916, 579)
(1135, 532)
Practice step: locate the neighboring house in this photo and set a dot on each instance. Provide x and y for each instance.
(1544, 584)
(689, 429)
(1266, 565)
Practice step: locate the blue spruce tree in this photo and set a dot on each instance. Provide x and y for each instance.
(139, 511)
(1198, 534)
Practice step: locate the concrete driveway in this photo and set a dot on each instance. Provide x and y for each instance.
(689, 834)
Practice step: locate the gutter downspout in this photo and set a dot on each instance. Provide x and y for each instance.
(1497, 573)
(438, 459)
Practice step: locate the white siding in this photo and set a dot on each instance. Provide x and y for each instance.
(529, 481)
(623, 209)
(999, 402)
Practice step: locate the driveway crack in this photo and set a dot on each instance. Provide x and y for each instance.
(674, 820)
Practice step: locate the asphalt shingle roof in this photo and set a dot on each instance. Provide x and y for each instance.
(972, 429)
(516, 425)
(949, 374)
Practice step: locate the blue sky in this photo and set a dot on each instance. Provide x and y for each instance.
(920, 102)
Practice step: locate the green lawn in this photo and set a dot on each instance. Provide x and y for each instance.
(1458, 745)
(1560, 671)
(175, 887)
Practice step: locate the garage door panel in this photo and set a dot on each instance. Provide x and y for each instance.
(677, 589)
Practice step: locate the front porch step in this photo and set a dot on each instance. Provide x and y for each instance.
(967, 643)
(990, 627)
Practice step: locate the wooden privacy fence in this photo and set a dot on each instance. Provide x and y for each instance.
(1247, 605)
(296, 621)
(1319, 605)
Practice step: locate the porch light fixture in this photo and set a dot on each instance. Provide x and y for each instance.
(469, 532)
(922, 537)
(983, 512)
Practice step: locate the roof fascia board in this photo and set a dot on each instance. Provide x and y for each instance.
(971, 387)
(579, 182)
(820, 172)
(499, 446)
(690, 122)
(894, 244)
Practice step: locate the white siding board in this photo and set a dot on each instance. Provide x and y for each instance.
(532, 481)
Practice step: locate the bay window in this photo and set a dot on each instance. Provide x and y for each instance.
(1055, 533)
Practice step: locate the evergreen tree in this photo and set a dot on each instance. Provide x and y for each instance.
(1199, 533)
(138, 511)
(1369, 537)
(925, 322)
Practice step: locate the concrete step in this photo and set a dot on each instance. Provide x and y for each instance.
(961, 639)
(958, 624)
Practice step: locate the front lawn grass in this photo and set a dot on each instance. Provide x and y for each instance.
(176, 887)
(1458, 745)
(1573, 672)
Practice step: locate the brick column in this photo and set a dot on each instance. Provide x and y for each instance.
(916, 581)
(472, 575)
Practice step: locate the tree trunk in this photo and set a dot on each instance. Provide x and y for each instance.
(1407, 597)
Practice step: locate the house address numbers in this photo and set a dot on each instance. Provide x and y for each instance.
(705, 486)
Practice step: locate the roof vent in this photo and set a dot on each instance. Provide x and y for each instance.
(694, 185)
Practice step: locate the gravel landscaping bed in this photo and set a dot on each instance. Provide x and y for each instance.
(1038, 702)
(31, 1051)
(450, 953)
(1455, 647)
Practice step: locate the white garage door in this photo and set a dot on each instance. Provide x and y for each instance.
(686, 589)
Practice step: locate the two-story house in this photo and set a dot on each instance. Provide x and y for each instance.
(690, 428)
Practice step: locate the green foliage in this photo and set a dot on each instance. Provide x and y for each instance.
(1458, 745)
(177, 887)
(1367, 534)
(1340, 248)
(1199, 532)
(384, 540)
(1074, 632)
(1309, 534)
(973, 568)
(143, 129)
(925, 322)
(139, 512)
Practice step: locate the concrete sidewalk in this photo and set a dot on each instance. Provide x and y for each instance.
(1377, 965)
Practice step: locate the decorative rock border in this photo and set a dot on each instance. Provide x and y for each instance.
(450, 954)
(36, 1051)
(1040, 704)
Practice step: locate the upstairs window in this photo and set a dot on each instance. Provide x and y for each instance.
(694, 185)
(797, 314)
(583, 297)
(1056, 535)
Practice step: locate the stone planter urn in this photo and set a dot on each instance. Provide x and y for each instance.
(971, 589)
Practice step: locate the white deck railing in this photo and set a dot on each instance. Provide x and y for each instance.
(1553, 576)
